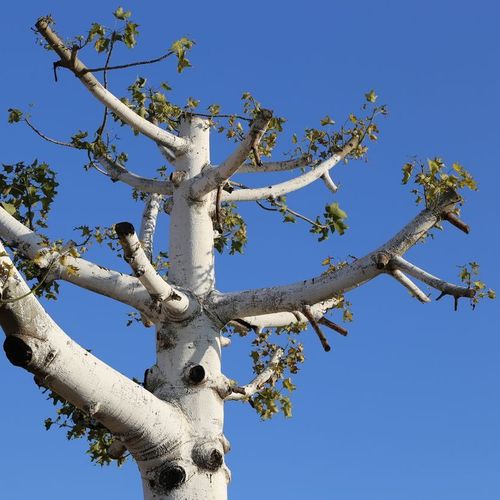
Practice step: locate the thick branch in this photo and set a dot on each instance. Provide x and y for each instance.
(256, 384)
(173, 301)
(118, 172)
(72, 62)
(212, 178)
(36, 343)
(292, 297)
(148, 223)
(275, 166)
(80, 272)
(446, 288)
(293, 184)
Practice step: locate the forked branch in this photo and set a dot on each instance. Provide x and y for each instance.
(70, 60)
(212, 178)
(294, 184)
(36, 343)
(292, 297)
(397, 262)
(285, 319)
(78, 271)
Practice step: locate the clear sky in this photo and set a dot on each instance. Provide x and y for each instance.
(407, 406)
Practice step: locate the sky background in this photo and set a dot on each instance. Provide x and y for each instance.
(406, 407)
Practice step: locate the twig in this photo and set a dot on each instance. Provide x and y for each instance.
(129, 65)
(333, 326)
(455, 221)
(308, 314)
(49, 139)
(246, 391)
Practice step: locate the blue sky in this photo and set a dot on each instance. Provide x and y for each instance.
(407, 406)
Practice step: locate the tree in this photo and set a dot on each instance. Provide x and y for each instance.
(187, 256)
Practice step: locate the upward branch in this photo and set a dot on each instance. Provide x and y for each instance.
(295, 183)
(70, 60)
(213, 178)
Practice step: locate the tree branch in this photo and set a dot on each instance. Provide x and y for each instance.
(292, 297)
(284, 319)
(148, 223)
(247, 391)
(292, 184)
(321, 336)
(212, 178)
(72, 62)
(275, 166)
(174, 302)
(397, 262)
(409, 285)
(118, 172)
(329, 182)
(36, 343)
(80, 272)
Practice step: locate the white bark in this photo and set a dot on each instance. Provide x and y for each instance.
(212, 178)
(175, 302)
(136, 122)
(447, 288)
(230, 306)
(78, 271)
(148, 223)
(148, 427)
(329, 182)
(275, 166)
(282, 319)
(293, 184)
(191, 230)
(409, 285)
(174, 426)
(118, 172)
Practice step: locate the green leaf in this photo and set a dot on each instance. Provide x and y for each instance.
(129, 34)
(371, 96)
(407, 171)
(119, 13)
(335, 211)
(8, 207)
(15, 115)
(327, 121)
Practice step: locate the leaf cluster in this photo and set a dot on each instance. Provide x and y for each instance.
(80, 424)
(433, 179)
(232, 230)
(469, 276)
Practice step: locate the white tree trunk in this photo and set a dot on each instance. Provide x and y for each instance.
(188, 366)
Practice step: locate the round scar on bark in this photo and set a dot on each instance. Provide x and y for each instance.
(124, 228)
(208, 457)
(18, 352)
(171, 478)
(196, 374)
